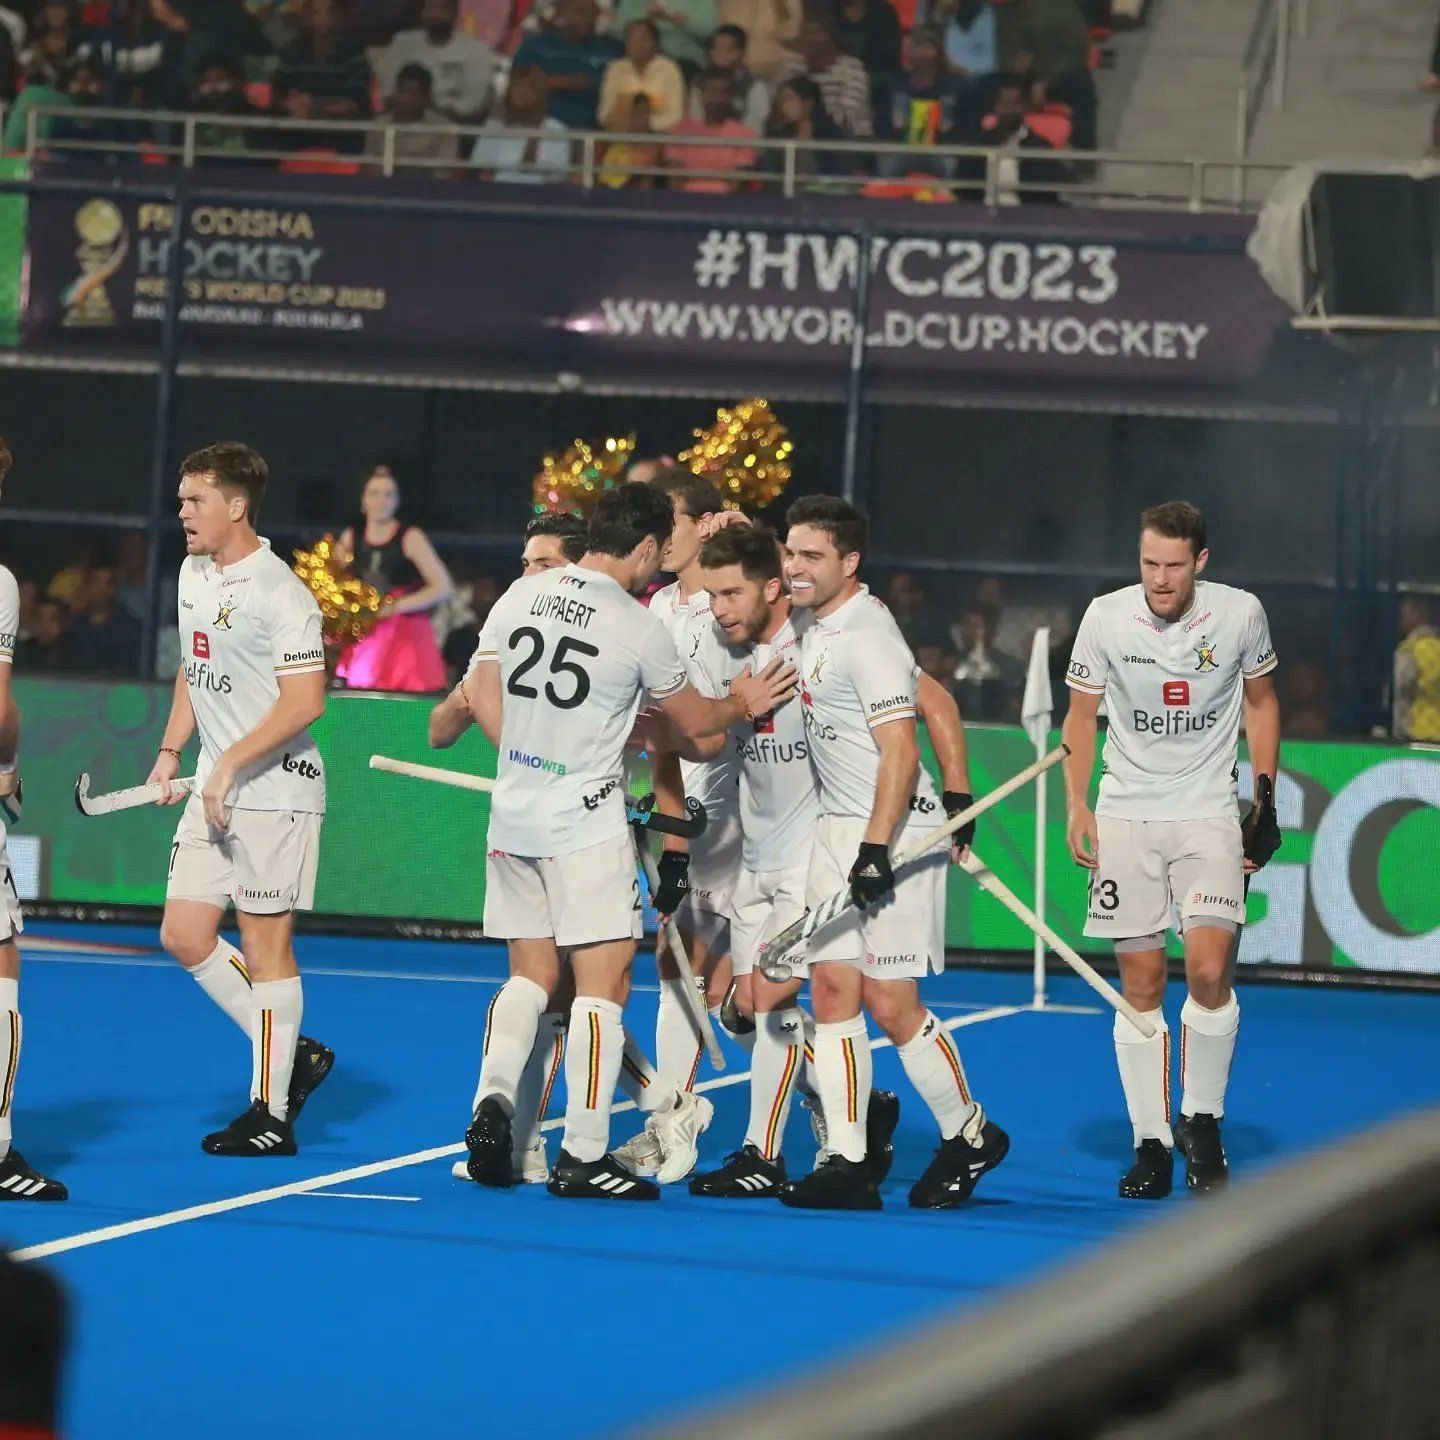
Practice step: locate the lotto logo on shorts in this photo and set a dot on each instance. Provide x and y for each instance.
(1175, 692)
(200, 645)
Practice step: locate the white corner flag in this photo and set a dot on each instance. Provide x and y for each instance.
(1035, 710)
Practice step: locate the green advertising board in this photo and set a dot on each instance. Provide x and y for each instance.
(1353, 886)
(12, 250)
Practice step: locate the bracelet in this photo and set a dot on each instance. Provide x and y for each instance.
(169, 750)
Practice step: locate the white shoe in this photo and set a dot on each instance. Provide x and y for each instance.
(643, 1154)
(532, 1167)
(818, 1129)
(679, 1131)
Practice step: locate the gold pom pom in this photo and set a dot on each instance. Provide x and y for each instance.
(349, 608)
(745, 453)
(572, 482)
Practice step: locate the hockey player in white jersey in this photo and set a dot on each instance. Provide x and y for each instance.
(252, 681)
(1177, 660)
(562, 662)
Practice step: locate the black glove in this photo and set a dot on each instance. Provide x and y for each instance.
(954, 802)
(871, 878)
(1260, 829)
(674, 868)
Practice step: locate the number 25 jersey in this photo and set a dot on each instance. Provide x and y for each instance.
(575, 652)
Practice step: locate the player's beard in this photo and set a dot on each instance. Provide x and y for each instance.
(1175, 604)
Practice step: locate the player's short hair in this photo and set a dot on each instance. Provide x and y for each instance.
(237, 470)
(570, 529)
(625, 516)
(848, 529)
(1177, 520)
(732, 32)
(697, 496)
(754, 548)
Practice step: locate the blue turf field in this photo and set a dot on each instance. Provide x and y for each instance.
(464, 1312)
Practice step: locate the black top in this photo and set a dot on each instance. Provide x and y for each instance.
(386, 566)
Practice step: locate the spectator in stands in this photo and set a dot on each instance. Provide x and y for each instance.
(496, 22)
(139, 56)
(42, 91)
(938, 662)
(726, 53)
(800, 114)
(86, 90)
(132, 562)
(462, 68)
(107, 638)
(210, 32)
(987, 682)
(10, 73)
(322, 76)
(221, 91)
(1047, 42)
(684, 27)
(768, 27)
(870, 31)
(1022, 152)
(693, 161)
(968, 28)
(533, 161)
(642, 70)
(574, 58)
(412, 105)
(375, 23)
(843, 81)
(626, 159)
(1417, 673)
(50, 647)
(1305, 706)
(927, 106)
(1432, 80)
(909, 602)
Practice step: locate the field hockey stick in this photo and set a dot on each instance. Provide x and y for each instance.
(987, 880)
(458, 778)
(685, 977)
(135, 796)
(775, 966)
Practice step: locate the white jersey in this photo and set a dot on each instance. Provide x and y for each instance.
(779, 794)
(575, 652)
(1174, 694)
(9, 616)
(241, 629)
(857, 674)
(715, 783)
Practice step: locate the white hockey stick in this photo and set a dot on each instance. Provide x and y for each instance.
(776, 967)
(135, 796)
(459, 778)
(685, 981)
(991, 884)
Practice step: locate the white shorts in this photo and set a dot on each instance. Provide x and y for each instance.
(1151, 868)
(265, 862)
(903, 938)
(584, 898)
(12, 922)
(706, 910)
(764, 904)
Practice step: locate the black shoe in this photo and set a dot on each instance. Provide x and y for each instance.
(745, 1175)
(1150, 1177)
(1197, 1137)
(313, 1062)
(602, 1179)
(18, 1181)
(838, 1184)
(959, 1163)
(256, 1132)
(881, 1120)
(491, 1145)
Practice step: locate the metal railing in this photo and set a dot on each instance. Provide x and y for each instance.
(1265, 66)
(787, 167)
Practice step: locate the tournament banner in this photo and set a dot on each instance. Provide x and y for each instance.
(1352, 888)
(1109, 306)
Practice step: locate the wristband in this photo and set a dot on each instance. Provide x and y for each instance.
(169, 750)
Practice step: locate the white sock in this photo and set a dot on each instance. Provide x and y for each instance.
(777, 1058)
(844, 1070)
(274, 1029)
(592, 1070)
(932, 1062)
(511, 1024)
(10, 1036)
(223, 977)
(1207, 1047)
(805, 1081)
(537, 1080)
(745, 1039)
(640, 1080)
(677, 1048)
(1145, 1075)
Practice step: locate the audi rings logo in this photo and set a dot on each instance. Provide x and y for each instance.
(1079, 671)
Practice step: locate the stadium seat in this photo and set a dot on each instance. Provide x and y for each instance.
(319, 162)
(1052, 123)
(911, 187)
(259, 93)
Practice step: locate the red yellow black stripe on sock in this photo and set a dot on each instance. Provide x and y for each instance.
(9, 1092)
(952, 1059)
(265, 1030)
(555, 1063)
(852, 1101)
(592, 1088)
(772, 1139)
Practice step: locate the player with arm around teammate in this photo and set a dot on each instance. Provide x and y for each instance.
(1177, 660)
(859, 688)
(252, 682)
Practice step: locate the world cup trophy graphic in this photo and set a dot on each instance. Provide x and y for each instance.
(104, 243)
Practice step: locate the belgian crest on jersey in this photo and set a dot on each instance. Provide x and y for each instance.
(1205, 654)
(223, 614)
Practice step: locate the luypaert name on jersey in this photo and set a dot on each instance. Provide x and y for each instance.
(564, 608)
